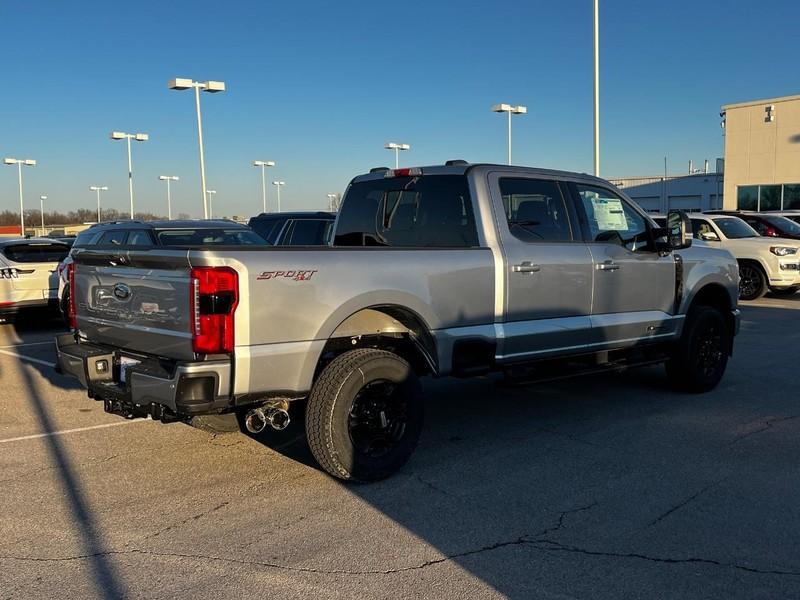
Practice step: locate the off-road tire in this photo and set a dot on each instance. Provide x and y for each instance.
(700, 357)
(333, 398)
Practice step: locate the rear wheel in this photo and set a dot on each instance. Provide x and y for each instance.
(699, 359)
(790, 291)
(752, 281)
(364, 415)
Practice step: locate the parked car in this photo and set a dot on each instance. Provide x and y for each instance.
(447, 270)
(765, 263)
(766, 224)
(793, 215)
(295, 228)
(143, 234)
(28, 274)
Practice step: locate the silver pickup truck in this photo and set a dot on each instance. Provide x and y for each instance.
(451, 270)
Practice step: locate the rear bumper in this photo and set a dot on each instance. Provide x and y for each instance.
(149, 386)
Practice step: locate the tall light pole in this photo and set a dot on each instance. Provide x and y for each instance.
(98, 189)
(210, 193)
(139, 137)
(278, 185)
(41, 211)
(396, 147)
(597, 88)
(511, 110)
(169, 179)
(207, 86)
(28, 162)
(263, 164)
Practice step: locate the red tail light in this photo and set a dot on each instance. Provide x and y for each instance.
(72, 317)
(214, 298)
(771, 232)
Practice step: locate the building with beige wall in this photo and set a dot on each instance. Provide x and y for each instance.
(762, 154)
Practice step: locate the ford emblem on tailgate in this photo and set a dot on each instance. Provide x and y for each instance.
(122, 291)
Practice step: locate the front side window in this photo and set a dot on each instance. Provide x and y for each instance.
(747, 197)
(535, 210)
(432, 211)
(613, 220)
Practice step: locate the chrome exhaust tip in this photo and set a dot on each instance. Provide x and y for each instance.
(255, 421)
(278, 418)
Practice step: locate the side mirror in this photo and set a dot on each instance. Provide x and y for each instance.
(679, 230)
(709, 236)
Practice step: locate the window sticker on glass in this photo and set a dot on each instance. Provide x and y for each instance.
(609, 214)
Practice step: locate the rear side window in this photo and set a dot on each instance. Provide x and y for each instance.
(535, 210)
(85, 238)
(113, 238)
(423, 212)
(268, 228)
(307, 232)
(34, 253)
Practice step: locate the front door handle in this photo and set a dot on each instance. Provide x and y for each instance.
(526, 267)
(608, 265)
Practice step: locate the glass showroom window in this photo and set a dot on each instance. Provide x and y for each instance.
(769, 197)
(791, 196)
(747, 197)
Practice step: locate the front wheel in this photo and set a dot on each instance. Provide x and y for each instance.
(700, 357)
(752, 281)
(364, 415)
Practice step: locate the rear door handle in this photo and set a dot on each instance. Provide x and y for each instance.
(608, 265)
(526, 267)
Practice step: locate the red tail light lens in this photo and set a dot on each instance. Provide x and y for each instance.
(72, 317)
(214, 298)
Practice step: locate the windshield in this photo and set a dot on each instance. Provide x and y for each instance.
(784, 224)
(734, 228)
(210, 237)
(36, 252)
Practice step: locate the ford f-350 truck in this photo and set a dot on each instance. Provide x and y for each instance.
(451, 270)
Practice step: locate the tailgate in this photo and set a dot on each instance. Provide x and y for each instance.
(135, 300)
(36, 276)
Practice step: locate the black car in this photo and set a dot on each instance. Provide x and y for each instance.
(765, 224)
(294, 228)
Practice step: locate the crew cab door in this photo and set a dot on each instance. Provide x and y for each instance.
(634, 284)
(547, 268)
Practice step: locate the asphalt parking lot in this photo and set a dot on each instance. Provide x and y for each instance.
(602, 487)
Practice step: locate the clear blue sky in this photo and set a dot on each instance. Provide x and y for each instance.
(319, 87)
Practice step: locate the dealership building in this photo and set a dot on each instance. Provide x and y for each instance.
(760, 171)
(762, 154)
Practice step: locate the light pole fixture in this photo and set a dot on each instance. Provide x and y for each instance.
(511, 110)
(209, 194)
(98, 189)
(208, 86)
(332, 202)
(278, 185)
(169, 179)
(263, 164)
(396, 147)
(597, 88)
(28, 162)
(41, 210)
(139, 137)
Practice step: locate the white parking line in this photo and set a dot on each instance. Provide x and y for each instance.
(66, 431)
(22, 345)
(38, 361)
